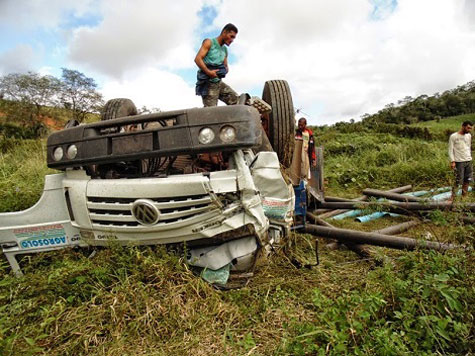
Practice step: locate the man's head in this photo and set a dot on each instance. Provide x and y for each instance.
(302, 124)
(228, 33)
(467, 127)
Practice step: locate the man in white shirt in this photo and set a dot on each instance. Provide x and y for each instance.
(460, 155)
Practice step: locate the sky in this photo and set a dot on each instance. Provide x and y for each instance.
(341, 58)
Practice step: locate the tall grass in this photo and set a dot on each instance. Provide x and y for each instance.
(22, 171)
(357, 161)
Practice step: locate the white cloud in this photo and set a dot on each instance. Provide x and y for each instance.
(17, 60)
(138, 34)
(341, 60)
(153, 88)
(28, 14)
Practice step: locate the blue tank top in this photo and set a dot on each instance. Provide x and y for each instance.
(216, 53)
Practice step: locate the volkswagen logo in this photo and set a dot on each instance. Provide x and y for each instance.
(145, 212)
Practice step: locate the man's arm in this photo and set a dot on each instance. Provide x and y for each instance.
(451, 152)
(225, 62)
(199, 59)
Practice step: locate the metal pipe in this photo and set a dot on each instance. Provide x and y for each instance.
(369, 217)
(320, 211)
(402, 189)
(359, 249)
(373, 216)
(377, 215)
(331, 213)
(319, 220)
(330, 198)
(397, 242)
(468, 220)
(397, 229)
(398, 207)
(390, 195)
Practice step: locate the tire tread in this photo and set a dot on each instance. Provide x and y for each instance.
(282, 121)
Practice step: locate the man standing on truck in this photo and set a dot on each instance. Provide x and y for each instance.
(212, 61)
(460, 155)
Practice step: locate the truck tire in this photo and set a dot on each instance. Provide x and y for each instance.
(114, 108)
(120, 107)
(281, 120)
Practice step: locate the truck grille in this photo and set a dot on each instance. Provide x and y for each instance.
(117, 212)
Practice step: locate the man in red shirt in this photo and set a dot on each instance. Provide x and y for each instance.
(304, 153)
(305, 134)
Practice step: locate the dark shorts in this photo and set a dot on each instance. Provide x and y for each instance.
(463, 172)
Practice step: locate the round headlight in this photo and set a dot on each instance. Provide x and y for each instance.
(206, 136)
(227, 134)
(72, 152)
(58, 153)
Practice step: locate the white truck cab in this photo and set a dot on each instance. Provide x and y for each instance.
(200, 177)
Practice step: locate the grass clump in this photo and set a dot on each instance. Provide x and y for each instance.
(422, 303)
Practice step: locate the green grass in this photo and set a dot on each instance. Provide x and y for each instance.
(452, 123)
(444, 127)
(22, 171)
(146, 301)
(407, 307)
(357, 161)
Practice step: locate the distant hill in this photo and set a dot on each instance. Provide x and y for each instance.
(458, 101)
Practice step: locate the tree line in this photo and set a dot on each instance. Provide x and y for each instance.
(458, 101)
(27, 98)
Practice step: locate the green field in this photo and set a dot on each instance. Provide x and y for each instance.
(445, 125)
(145, 301)
(452, 123)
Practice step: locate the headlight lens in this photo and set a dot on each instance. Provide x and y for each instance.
(206, 136)
(227, 134)
(72, 152)
(58, 153)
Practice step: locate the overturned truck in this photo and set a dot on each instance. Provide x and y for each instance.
(207, 177)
